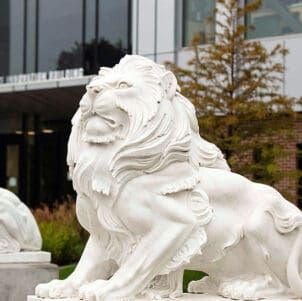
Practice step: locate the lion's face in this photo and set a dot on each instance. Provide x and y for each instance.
(115, 97)
(103, 121)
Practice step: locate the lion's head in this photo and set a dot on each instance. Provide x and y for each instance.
(136, 107)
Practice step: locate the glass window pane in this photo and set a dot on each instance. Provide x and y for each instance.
(113, 36)
(275, 18)
(16, 18)
(90, 21)
(195, 21)
(4, 37)
(117, 31)
(31, 36)
(60, 34)
(11, 36)
(89, 48)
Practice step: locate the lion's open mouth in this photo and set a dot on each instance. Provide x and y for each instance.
(101, 130)
(99, 125)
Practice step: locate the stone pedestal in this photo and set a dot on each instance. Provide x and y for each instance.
(25, 257)
(21, 272)
(185, 297)
(34, 298)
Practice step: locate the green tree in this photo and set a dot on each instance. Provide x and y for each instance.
(235, 84)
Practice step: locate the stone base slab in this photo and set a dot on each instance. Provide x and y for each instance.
(185, 297)
(25, 257)
(18, 280)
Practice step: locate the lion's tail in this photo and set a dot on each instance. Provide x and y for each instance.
(293, 264)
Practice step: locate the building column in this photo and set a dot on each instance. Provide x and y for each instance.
(23, 164)
(36, 183)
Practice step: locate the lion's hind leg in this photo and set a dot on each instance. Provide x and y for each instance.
(288, 222)
(268, 239)
(267, 251)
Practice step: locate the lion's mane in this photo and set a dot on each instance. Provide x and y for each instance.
(162, 129)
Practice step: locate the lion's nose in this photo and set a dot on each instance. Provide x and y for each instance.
(94, 90)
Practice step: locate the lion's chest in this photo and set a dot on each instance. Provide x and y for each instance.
(95, 213)
(86, 210)
(100, 220)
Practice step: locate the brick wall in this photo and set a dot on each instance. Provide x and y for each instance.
(288, 186)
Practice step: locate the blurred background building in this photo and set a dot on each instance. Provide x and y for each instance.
(49, 51)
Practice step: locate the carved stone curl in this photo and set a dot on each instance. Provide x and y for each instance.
(156, 199)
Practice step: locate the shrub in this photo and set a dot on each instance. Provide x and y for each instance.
(62, 235)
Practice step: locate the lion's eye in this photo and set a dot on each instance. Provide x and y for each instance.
(123, 85)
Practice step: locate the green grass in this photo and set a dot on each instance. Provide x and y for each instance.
(190, 276)
(66, 270)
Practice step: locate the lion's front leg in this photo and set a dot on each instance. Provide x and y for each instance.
(148, 259)
(91, 266)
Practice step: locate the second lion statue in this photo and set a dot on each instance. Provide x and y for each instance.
(156, 199)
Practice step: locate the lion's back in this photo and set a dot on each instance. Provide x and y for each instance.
(221, 183)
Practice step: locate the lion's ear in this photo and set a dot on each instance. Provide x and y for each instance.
(170, 84)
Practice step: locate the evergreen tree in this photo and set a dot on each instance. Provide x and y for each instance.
(235, 84)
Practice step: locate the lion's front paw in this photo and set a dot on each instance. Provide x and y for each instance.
(92, 291)
(258, 287)
(56, 289)
(236, 290)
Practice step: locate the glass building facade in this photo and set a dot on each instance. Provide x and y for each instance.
(274, 18)
(41, 36)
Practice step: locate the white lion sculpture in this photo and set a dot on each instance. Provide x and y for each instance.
(156, 199)
(18, 228)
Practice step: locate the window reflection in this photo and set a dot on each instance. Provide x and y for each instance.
(60, 34)
(30, 36)
(110, 43)
(114, 31)
(113, 36)
(4, 37)
(11, 36)
(276, 17)
(90, 21)
(195, 21)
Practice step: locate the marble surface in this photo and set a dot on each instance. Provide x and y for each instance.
(26, 257)
(18, 227)
(157, 198)
(185, 297)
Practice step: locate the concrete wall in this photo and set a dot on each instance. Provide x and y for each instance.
(154, 29)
